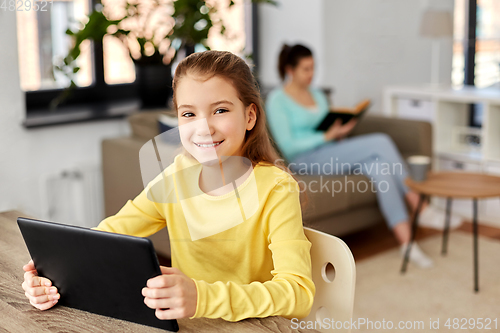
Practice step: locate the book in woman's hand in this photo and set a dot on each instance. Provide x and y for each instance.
(345, 114)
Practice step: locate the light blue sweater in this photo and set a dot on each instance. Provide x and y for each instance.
(293, 125)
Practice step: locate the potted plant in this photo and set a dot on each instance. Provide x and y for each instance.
(153, 32)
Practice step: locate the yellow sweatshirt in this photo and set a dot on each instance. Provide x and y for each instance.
(245, 250)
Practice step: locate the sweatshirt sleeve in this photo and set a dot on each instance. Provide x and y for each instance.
(280, 127)
(139, 217)
(291, 291)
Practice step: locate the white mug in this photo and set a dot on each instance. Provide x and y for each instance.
(419, 167)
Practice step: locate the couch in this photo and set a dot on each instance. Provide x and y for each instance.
(343, 213)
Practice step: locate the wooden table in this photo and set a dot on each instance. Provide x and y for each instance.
(453, 185)
(17, 314)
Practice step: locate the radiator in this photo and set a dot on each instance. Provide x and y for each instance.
(73, 196)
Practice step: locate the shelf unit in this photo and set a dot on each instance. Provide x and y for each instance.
(447, 110)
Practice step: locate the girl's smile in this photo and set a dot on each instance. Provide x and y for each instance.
(208, 144)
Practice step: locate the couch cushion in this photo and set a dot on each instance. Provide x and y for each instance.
(323, 200)
(348, 221)
(412, 137)
(144, 124)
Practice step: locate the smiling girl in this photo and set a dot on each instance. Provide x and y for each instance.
(237, 241)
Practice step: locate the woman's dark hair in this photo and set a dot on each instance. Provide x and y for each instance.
(291, 55)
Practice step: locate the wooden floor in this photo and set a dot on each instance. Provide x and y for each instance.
(379, 238)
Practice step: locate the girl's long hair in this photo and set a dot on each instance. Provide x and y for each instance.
(257, 146)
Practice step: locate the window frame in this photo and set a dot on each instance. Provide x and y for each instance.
(470, 56)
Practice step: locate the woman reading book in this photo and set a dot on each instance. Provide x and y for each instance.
(294, 112)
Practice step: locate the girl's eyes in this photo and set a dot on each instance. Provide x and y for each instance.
(190, 114)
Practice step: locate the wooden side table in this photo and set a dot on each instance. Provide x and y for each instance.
(453, 185)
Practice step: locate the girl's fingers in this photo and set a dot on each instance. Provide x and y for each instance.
(162, 281)
(158, 292)
(42, 299)
(39, 291)
(29, 275)
(159, 303)
(31, 280)
(168, 314)
(30, 266)
(36, 281)
(44, 306)
(169, 270)
(44, 282)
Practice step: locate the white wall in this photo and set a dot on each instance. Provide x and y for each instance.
(292, 22)
(360, 45)
(27, 154)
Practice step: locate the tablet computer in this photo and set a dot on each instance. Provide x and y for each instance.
(95, 271)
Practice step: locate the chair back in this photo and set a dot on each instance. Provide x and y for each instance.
(334, 275)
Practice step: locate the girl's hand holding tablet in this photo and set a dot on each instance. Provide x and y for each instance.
(172, 294)
(39, 290)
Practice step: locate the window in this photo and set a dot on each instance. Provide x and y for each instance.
(42, 39)
(107, 72)
(460, 24)
(487, 60)
(486, 66)
(476, 48)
